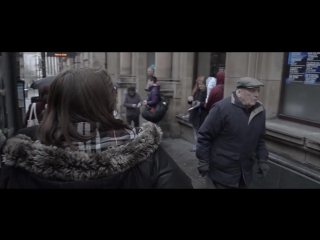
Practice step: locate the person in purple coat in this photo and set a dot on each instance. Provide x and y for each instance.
(154, 93)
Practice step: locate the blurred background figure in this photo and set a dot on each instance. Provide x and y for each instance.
(216, 93)
(198, 114)
(151, 70)
(132, 103)
(211, 82)
(40, 104)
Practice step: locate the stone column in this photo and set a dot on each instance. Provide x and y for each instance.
(125, 63)
(110, 64)
(47, 69)
(186, 75)
(140, 73)
(53, 66)
(56, 62)
(115, 56)
(175, 65)
(163, 65)
(134, 63)
(116, 61)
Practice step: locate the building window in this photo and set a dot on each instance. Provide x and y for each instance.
(217, 62)
(208, 64)
(300, 97)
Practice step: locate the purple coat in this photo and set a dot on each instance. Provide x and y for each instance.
(154, 96)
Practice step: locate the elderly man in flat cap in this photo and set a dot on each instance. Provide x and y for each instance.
(231, 139)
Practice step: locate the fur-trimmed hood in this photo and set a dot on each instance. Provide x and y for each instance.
(58, 164)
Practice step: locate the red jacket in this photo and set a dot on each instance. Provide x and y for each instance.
(216, 93)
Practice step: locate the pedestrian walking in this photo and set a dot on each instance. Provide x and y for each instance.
(197, 112)
(231, 139)
(132, 103)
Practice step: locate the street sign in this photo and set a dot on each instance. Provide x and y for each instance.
(61, 54)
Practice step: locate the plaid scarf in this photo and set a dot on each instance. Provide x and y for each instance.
(103, 140)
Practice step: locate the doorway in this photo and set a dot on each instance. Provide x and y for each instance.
(209, 64)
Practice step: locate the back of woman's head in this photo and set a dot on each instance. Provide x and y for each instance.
(79, 95)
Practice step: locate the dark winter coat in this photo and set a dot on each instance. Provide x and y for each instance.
(231, 139)
(136, 164)
(154, 95)
(128, 101)
(199, 114)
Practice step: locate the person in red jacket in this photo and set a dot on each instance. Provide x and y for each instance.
(216, 93)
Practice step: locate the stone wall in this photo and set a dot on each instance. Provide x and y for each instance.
(265, 66)
(296, 142)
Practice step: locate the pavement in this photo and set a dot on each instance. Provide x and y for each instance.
(179, 150)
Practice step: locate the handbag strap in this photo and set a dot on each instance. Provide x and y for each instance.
(31, 111)
(35, 112)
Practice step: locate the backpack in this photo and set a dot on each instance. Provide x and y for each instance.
(157, 113)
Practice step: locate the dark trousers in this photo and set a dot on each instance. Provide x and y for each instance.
(242, 185)
(135, 119)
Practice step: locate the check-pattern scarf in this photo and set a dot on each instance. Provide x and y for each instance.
(103, 140)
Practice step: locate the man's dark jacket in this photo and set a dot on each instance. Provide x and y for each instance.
(231, 139)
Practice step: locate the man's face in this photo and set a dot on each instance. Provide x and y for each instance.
(201, 86)
(150, 71)
(248, 96)
(131, 93)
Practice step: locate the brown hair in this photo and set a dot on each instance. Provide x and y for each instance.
(79, 95)
(201, 79)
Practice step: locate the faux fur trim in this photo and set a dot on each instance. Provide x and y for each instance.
(58, 164)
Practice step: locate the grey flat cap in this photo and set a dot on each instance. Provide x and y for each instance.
(249, 82)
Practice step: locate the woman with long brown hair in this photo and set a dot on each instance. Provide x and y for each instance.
(82, 145)
(198, 114)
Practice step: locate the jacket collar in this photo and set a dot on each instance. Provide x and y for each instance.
(258, 108)
(60, 164)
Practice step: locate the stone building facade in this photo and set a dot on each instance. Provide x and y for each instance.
(293, 142)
